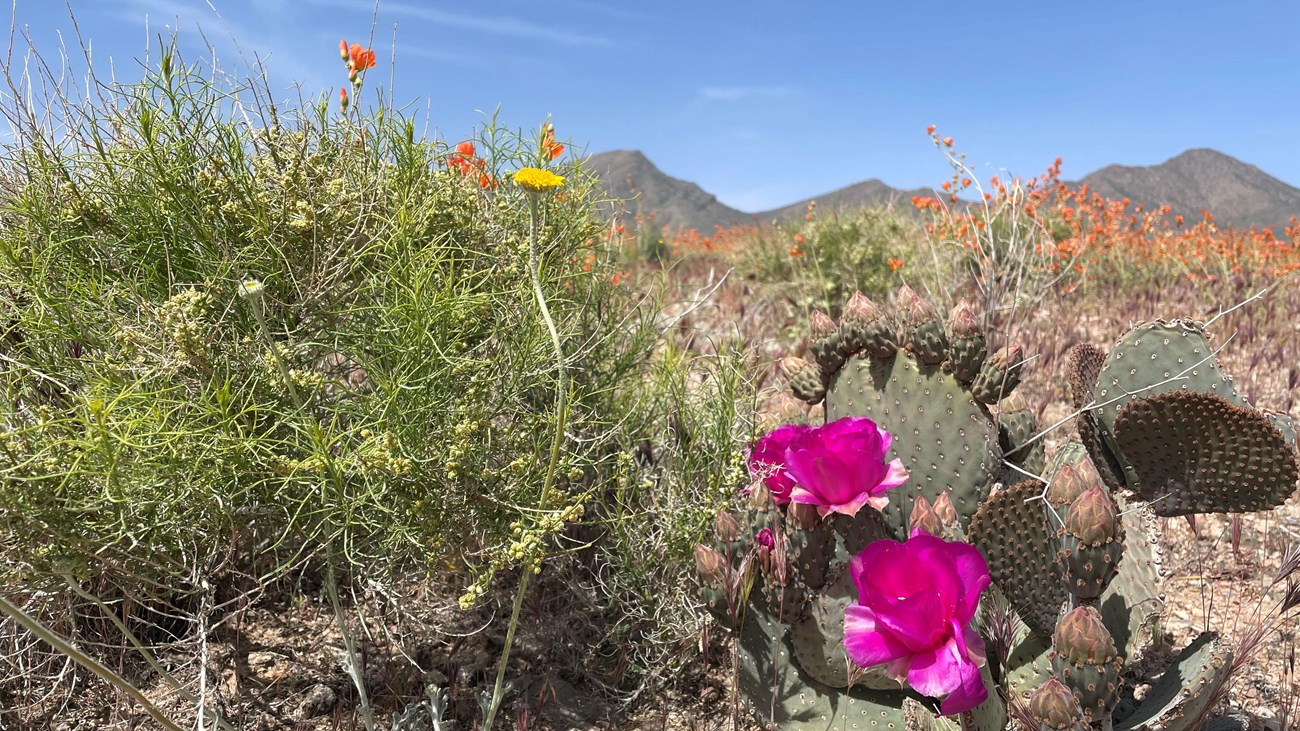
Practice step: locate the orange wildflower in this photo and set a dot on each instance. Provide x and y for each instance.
(343, 99)
(946, 185)
(929, 130)
(947, 142)
(550, 148)
(361, 58)
(343, 50)
(798, 239)
(894, 264)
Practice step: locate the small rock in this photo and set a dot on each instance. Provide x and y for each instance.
(320, 700)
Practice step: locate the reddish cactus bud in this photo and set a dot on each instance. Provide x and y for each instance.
(944, 509)
(1054, 705)
(962, 321)
(1009, 358)
(821, 325)
(925, 518)
(726, 526)
(861, 310)
(1066, 486)
(1093, 517)
(710, 564)
(792, 366)
(802, 516)
(1081, 637)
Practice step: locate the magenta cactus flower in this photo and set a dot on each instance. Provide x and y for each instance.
(767, 460)
(915, 604)
(841, 466)
(837, 468)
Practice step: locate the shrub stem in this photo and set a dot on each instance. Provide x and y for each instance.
(561, 419)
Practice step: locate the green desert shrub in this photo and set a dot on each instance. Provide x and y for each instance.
(820, 263)
(232, 330)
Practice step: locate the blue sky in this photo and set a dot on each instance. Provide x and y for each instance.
(764, 103)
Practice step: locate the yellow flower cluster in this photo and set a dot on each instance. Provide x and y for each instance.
(537, 180)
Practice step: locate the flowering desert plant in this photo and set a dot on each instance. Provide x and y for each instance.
(1062, 550)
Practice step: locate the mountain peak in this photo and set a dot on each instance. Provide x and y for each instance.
(1237, 193)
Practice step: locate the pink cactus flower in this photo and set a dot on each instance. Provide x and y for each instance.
(915, 604)
(841, 466)
(767, 460)
(765, 538)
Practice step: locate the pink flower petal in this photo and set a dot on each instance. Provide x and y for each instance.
(973, 574)
(864, 645)
(918, 621)
(896, 475)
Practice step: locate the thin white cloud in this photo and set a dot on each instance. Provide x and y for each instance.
(737, 93)
(230, 39)
(492, 25)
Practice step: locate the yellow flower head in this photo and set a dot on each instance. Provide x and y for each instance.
(537, 180)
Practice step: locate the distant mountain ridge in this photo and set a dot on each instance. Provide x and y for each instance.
(1237, 193)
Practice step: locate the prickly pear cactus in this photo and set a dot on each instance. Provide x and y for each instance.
(1164, 421)
(930, 386)
(1077, 562)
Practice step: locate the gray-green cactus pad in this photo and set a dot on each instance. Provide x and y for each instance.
(1011, 530)
(817, 639)
(946, 440)
(1150, 359)
(1132, 600)
(1181, 697)
(1197, 452)
(781, 696)
(1083, 365)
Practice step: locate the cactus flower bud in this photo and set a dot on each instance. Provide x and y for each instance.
(1093, 517)
(803, 516)
(925, 518)
(1013, 404)
(944, 509)
(726, 526)
(962, 322)
(1009, 358)
(861, 310)
(1054, 705)
(1067, 485)
(1081, 637)
(792, 367)
(821, 325)
(710, 564)
(920, 312)
(903, 299)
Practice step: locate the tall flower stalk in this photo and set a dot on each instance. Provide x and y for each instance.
(535, 182)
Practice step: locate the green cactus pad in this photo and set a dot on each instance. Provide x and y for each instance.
(1183, 694)
(866, 527)
(781, 696)
(1029, 664)
(817, 640)
(998, 377)
(966, 356)
(1133, 600)
(1196, 452)
(1153, 358)
(930, 343)
(807, 385)
(1011, 530)
(1015, 428)
(1283, 424)
(1083, 364)
(829, 352)
(947, 442)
